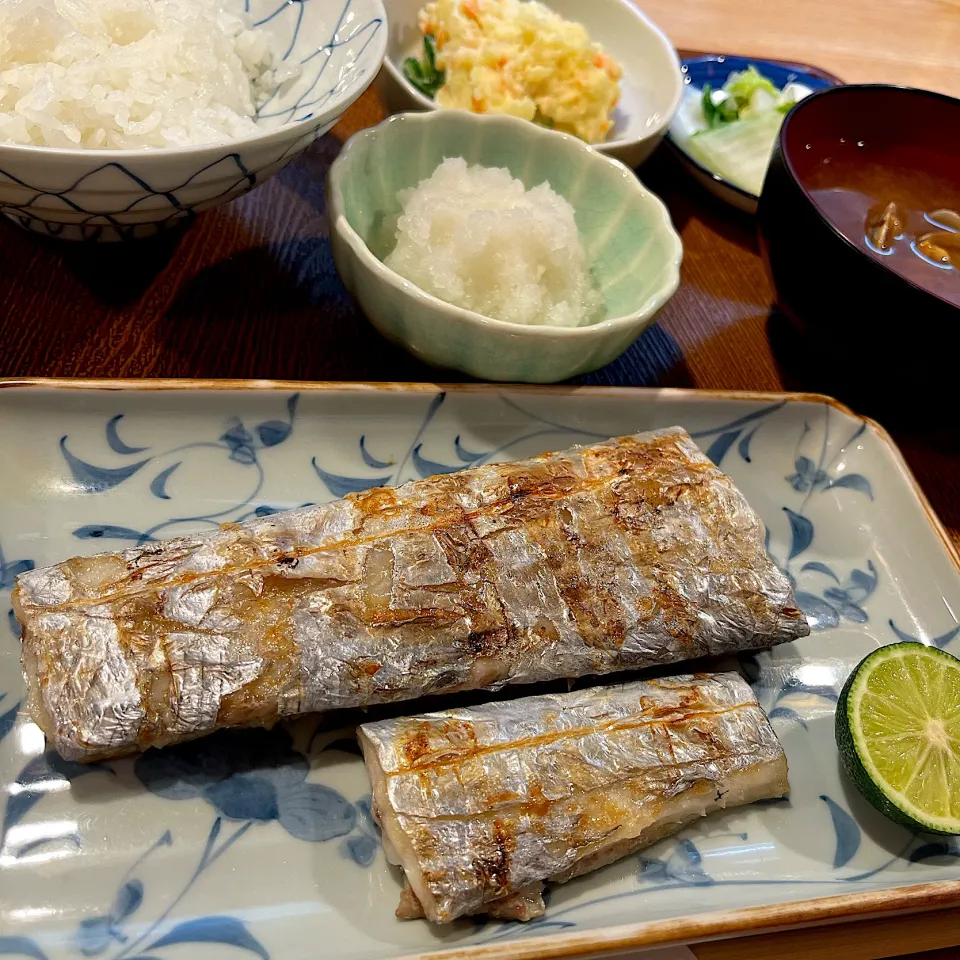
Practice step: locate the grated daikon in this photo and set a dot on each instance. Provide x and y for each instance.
(126, 74)
(476, 238)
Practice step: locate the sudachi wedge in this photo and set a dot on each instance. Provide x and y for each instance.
(625, 554)
(479, 806)
(898, 733)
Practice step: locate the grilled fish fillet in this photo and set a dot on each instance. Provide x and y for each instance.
(629, 553)
(480, 806)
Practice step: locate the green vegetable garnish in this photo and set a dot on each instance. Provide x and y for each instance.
(717, 114)
(736, 135)
(728, 110)
(430, 52)
(742, 86)
(710, 111)
(740, 89)
(423, 74)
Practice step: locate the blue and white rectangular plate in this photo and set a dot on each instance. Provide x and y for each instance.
(260, 843)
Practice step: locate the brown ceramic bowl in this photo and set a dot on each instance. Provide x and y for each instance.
(850, 305)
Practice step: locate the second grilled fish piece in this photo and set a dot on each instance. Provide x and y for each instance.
(480, 806)
(620, 555)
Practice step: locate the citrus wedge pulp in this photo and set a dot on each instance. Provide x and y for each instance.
(898, 733)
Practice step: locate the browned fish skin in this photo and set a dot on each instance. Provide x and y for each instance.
(479, 806)
(628, 553)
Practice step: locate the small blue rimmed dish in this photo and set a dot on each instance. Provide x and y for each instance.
(715, 69)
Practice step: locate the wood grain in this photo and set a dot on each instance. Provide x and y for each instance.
(865, 940)
(250, 290)
(910, 42)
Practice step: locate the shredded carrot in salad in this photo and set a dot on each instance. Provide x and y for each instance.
(521, 58)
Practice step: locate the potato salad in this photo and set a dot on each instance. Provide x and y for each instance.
(517, 57)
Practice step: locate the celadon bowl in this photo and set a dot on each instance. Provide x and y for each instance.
(633, 249)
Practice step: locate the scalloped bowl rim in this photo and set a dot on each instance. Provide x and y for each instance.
(662, 221)
(358, 84)
(650, 133)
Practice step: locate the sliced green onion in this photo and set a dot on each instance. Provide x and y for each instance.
(741, 86)
(430, 52)
(728, 110)
(709, 107)
(423, 74)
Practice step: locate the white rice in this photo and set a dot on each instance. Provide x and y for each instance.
(476, 238)
(125, 74)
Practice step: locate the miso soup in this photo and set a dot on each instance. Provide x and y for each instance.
(899, 205)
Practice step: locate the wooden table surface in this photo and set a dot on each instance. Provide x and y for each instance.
(250, 290)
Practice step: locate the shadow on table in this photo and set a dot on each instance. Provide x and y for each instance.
(654, 360)
(895, 390)
(687, 199)
(280, 311)
(912, 405)
(116, 273)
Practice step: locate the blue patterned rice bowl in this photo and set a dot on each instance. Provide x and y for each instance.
(110, 195)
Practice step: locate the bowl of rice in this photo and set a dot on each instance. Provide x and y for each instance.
(494, 246)
(119, 118)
